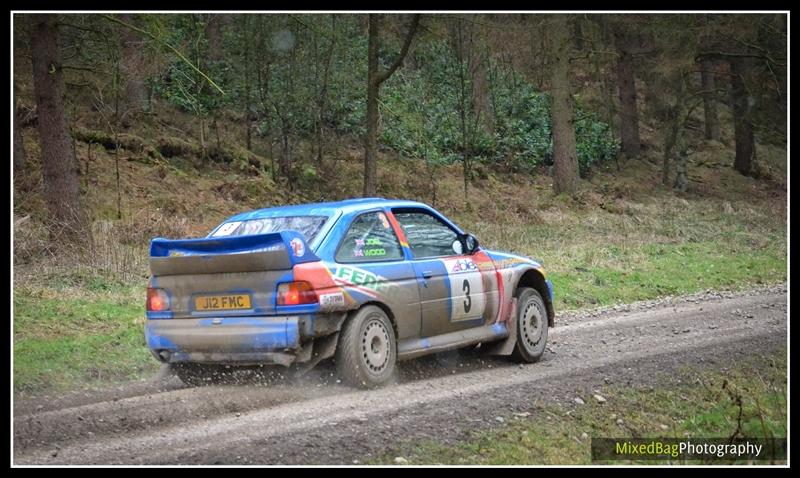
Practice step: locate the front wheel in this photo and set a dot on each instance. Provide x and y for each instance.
(531, 326)
(367, 350)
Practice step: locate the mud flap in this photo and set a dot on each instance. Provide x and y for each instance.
(323, 347)
(506, 347)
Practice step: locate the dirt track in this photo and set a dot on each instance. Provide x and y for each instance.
(316, 420)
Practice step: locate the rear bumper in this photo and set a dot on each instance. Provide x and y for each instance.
(224, 340)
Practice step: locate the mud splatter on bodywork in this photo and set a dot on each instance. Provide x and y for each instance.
(222, 290)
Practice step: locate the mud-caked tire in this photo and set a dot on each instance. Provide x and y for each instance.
(367, 350)
(532, 326)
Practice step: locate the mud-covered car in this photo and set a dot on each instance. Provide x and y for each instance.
(366, 282)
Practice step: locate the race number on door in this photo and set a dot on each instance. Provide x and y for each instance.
(467, 300)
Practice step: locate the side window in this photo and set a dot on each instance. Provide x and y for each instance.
(369, 239)
(427, 236)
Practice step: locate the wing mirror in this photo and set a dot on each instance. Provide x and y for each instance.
(469, 243)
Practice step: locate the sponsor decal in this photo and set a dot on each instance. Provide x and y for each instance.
(298, 248)
(467, 298)
(372, 246)
(226, 229)
(463, 265)
(357, 277)
(384, 221)
(329, 301)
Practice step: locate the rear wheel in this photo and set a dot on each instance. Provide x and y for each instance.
(367, 350)
(531, 326)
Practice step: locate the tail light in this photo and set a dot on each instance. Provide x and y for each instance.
(157, 300)
(296, 293)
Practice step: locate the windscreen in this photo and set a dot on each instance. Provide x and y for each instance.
(308, 226)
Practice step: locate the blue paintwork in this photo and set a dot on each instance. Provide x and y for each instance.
(159, 315)
(269, 329)
(160, 247)
(156, 341)
(254, 333)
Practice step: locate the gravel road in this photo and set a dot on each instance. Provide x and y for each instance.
(315, 420)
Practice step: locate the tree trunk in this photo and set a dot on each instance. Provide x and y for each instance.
(566, 178)
(681, 179)
(58, 158)
(743, 127)
(374, 80)
(629, 114)
(461, 38)
(709, 101)
(286, 160)
(481, 106)
(247, 104)
(202, 140)
(19, 145)
(577, 26)
(371, 141)
(214, 37)
(136, 94)
(322, 101)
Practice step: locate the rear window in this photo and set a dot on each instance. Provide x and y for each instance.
(308, 226)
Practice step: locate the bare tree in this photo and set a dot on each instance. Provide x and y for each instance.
(562, 117)
(374, 79)
(131, 65)
(629, 114)
(709, 100)
(742, 122)
(322, 80)
(58, 156)
(462, 39)
(19, 143)
(247, 97)
(214, 37)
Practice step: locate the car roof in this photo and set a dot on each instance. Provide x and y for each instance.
(325, 208)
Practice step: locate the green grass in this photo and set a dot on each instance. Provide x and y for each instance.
(654, 247)
(666, 269)
(66, 337)
(701, 404)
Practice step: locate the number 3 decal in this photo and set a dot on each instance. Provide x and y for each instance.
(466, 289)
(468, 300)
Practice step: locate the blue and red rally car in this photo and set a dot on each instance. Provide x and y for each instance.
(365, 281)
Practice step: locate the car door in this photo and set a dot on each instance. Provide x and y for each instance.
(452, 288)
(371, 265)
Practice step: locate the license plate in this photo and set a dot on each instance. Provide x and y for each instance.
(222, 302)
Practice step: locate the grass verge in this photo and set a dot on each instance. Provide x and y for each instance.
(65, 337)
(694, 403)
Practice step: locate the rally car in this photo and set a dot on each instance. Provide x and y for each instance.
(367, 282)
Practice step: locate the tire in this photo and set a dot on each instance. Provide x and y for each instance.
(197, 375)
(367, 349)
(532, 326)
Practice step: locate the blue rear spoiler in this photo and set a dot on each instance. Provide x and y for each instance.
(290, 241)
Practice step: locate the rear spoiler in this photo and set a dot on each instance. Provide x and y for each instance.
(258, 252)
